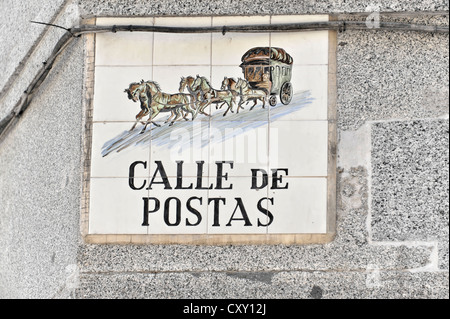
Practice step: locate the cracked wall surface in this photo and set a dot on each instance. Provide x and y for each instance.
(392, 185)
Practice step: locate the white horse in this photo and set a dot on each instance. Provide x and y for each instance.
(249, 94)
(210, 95)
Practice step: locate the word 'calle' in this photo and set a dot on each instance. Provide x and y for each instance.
(172, 207)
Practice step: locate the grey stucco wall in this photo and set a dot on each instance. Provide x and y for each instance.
(392, 217)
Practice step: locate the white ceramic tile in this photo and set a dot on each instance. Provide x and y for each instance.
(182, 48)
(292, 137)
(111, 103)
(306, 47)
(115, 148)
(299, 209)
(228, 49)
(115, 208)
(284, 19)
(243, 143)
(310, 95)
(299, 146)
(182, 211)
(124, 48)
(124, 21)
(237, 211)
(183, 21)
(186, 141)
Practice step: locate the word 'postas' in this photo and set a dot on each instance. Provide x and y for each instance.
(172, 207)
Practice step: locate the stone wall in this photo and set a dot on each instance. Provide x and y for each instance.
(392, 217)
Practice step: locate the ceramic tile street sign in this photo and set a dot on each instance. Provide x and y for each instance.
(212, 138)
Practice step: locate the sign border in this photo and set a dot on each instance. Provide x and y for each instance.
(208, 239)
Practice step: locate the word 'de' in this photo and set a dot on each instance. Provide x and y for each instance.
(173, 207)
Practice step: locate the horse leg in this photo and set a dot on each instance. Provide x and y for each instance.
(239, 105)
(178, 112)
(233, 101)
(139, 116)
(194, 115)
(134, 125)
(230, 99)
(146, 124)
(185, 115)
(172, 114)
(150, 120)
(256, 101)
(191, 107)
(230, 106)
(202, 108)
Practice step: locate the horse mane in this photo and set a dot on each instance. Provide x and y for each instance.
(205, 79)
(158, 88)
(133, 84)
(129, 88)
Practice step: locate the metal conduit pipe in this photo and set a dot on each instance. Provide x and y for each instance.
(8, 121)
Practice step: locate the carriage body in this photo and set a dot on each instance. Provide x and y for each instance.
(269, 68)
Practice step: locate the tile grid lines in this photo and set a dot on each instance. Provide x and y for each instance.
(209, 129)
(268, 128)
(150, 144)
(209, 120)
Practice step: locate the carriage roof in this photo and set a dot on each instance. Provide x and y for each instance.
(264, 54)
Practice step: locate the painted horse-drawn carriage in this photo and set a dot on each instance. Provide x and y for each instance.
(270, 69)
(267, 72)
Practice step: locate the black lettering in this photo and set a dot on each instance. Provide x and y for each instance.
(265, 212)
(216, 209)
(162, 172)
(265, 178)
(276, 178)
(220, 175)
(194, 211)
(180, 176)
(131, 175)
(245, 218)
(167, 210)
(147, 211)
(200, 176)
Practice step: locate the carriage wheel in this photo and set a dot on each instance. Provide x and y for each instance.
(286, 93)
(273, 100)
